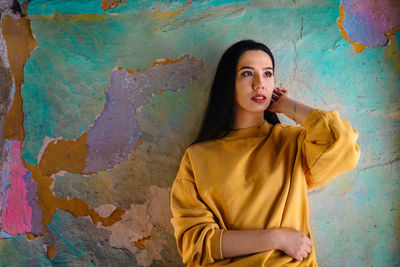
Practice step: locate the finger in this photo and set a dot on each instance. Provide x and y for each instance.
(308, 249)
(275, 97)
(283, 91)
(309, 241)
(299, 258)
(304, 254)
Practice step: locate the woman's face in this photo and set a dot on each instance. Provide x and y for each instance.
(254, 81)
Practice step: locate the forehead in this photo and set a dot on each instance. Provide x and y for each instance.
(254, 58)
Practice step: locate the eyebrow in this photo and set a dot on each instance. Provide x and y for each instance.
(248, 67)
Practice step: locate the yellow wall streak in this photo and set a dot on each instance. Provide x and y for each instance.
(168, 14)
(20, 43)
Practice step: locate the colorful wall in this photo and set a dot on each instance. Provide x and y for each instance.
(99, 100)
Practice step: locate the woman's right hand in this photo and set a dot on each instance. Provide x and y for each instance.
(294, 243)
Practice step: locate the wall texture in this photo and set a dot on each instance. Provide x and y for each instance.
(99, 100)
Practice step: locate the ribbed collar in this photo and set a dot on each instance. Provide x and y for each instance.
(257, 131)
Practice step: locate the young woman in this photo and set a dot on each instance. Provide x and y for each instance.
(240, 195)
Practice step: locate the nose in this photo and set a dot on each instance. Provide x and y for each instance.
(257, 83)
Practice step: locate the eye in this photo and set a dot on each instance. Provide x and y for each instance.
(247, 74)
(268, 74)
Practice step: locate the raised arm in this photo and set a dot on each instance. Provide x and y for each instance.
(327, 143)
(282, 103)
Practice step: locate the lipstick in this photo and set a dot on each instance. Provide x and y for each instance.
(259, 98)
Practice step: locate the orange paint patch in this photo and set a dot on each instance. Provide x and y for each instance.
(110, 4)
(160, 92)
(139, 143)
(64, 155)
(30, 236)
(20, 42)
(140, 243)
(166, 61)
(129, 71)
(50, 252)
(46, 200)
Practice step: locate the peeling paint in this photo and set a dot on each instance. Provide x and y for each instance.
(85, 216)
(356, 46)
(127, 93)
(110, 4)
(139, 226)
(64, 155)
(50, 252)
(368, 23)
(20, 42)
(16, 212)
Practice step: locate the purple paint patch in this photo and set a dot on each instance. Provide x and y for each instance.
(36, 221)
(115, 132)
(368, 21)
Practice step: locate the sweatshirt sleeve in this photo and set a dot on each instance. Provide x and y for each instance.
(328, 147)
(197, 234)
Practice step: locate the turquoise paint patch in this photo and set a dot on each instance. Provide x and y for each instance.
(397, 35)
(74, 7)
(359, 226)
(74, 245)
(18, 251)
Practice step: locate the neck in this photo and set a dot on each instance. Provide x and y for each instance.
(248, 119)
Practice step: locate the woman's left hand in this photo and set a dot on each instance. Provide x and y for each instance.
(279, 96)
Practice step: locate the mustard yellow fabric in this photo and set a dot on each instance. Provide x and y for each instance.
(256, 178)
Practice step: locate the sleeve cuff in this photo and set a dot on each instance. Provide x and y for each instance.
(217, 244)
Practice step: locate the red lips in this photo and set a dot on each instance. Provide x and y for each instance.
(259, 98)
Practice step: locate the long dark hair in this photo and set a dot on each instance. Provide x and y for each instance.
(219, 117)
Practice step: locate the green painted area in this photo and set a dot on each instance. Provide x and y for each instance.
(20, 252)
(359, 221)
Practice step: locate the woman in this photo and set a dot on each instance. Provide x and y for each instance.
(240, 195)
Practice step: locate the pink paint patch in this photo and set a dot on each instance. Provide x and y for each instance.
(17, 214)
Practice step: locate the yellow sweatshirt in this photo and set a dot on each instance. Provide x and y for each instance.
(256, 178)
